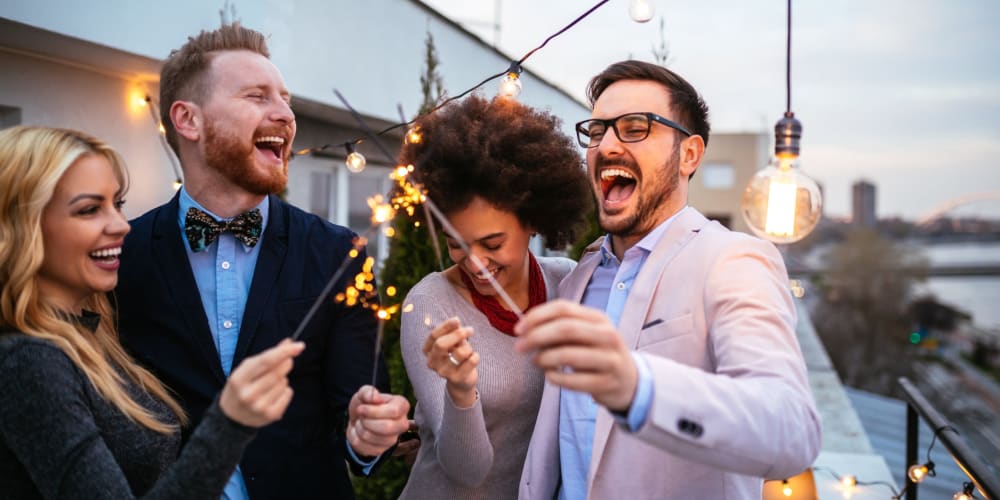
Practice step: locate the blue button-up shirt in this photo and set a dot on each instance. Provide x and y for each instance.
(224, 272)
(607, 290)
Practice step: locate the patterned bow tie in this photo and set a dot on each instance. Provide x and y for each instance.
(201, 229)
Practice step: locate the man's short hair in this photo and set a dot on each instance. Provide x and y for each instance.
(183, 77)
(688, 107)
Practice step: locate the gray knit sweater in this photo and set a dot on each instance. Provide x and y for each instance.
(60, 439)
(475, 452)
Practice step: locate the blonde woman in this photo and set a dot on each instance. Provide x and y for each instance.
(78, 417)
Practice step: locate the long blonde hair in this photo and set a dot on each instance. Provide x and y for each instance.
(32, 160)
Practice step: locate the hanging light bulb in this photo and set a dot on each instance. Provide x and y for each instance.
(919, 472)
(967, 493)
(355, 161)
(510, 85)
(849, 481)
(781, 204)
(786, 489)
(414, 135)
(640, 10)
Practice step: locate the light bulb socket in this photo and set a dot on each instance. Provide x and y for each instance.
(514, 70)
(787, 133)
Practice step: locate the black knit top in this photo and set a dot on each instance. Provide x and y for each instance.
(60, 439)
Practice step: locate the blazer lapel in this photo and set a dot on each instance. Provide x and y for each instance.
(636, 310)
(574, 284)
(175, 272)
(265, 275)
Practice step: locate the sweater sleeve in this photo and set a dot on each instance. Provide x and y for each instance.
(47, 422)
(461, 444)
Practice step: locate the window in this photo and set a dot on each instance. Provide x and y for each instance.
(718, 175)
(9, 116)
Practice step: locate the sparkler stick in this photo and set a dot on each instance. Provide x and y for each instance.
(358, 243)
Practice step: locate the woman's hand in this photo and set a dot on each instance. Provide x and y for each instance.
(451, 356)
(257, 392)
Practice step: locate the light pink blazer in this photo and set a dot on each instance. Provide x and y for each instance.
(711, 314)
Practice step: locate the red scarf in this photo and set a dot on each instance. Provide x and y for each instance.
(501, 318)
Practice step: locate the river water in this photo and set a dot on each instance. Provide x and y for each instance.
(977, 295)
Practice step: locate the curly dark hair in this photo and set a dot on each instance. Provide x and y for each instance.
(512, 156)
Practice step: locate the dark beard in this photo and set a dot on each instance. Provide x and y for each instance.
(659, 187)
(233, 158)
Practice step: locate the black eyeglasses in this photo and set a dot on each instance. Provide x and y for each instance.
(630, 127)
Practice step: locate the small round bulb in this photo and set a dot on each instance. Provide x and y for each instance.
(355, 162)
(849, 481)
(786, 488)
(414, 136)
(177, 184)
(510, 86)
(917, 472)
(641, 11)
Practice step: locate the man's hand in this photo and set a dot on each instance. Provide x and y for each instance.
(579, 349)
(376, 420)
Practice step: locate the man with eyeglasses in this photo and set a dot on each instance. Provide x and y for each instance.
(672, 367)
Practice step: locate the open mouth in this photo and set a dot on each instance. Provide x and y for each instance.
(617, 184)
(271, 146)
(106, 255)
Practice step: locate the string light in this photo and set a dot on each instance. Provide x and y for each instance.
(414, 135)
(510, 85)
(641, 11)
(918, 472)
(355, 161)
(967, 493)
(486, 80)
(148, 103)
(786, 489)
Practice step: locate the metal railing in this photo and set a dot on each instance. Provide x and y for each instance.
(967, 459)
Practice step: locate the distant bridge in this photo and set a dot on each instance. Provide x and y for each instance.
(980, 269)
(952, 204)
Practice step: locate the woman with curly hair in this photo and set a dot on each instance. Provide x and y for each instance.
(78, 417)
(501, 172)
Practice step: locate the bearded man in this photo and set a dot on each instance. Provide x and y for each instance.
(225, 270)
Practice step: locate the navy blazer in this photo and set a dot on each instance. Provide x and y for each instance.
(162, 323)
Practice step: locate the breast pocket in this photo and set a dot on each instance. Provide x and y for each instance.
(659, 332)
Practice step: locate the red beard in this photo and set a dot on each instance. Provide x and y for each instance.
(233, 158)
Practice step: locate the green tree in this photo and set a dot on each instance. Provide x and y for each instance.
(863, 313)
(411, 257)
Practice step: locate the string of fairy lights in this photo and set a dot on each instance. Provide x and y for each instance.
(408, 196)
(917, 473)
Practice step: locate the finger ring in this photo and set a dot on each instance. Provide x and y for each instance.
(451, 358)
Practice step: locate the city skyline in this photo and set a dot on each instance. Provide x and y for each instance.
(898, 93)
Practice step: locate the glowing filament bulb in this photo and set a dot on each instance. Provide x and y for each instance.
(918, 472)
(355, 162)
(414, 136)
(640, 10)
(786, 489)
(510, 86)
(781, 207)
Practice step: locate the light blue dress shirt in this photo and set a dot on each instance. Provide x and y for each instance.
(224, 272)
(607, 290)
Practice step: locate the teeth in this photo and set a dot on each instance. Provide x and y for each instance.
(272, 139)
(488, 273)
(615, 172)
(107, 253)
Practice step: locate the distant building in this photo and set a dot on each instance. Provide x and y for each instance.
(731, 159)
(863, 203)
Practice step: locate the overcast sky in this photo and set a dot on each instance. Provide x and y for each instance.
(904, 93)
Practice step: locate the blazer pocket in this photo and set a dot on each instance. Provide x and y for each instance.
(665, 330)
